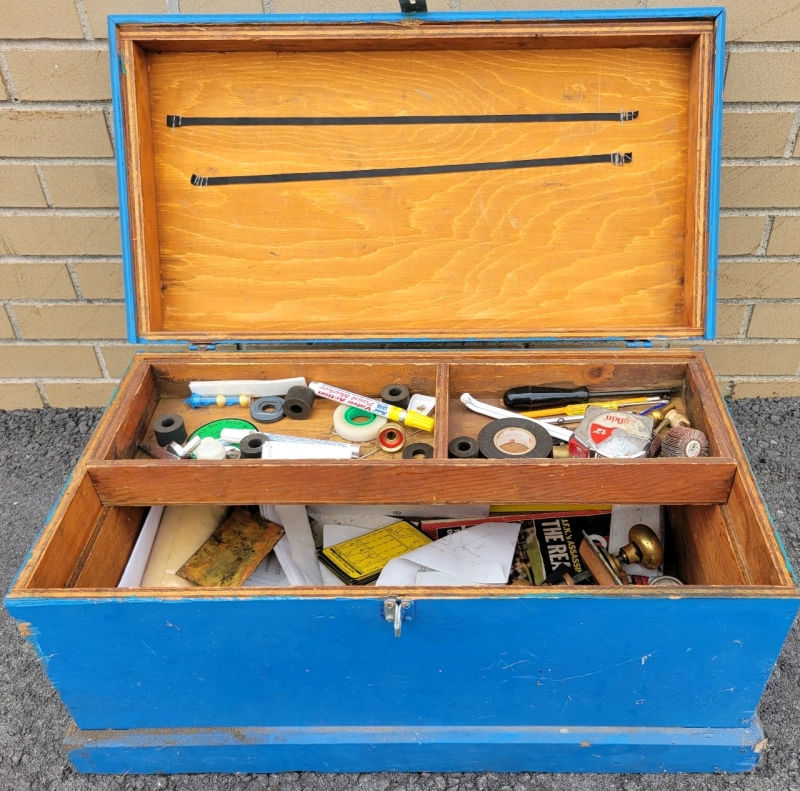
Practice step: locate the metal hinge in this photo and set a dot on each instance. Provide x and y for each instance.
(413, 6)
(639, 344)
(397, 612)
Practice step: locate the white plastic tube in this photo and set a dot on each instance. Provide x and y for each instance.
(293, 450)
(252, 387)
(556, 432)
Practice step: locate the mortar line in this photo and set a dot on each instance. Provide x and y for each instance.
(759, 301)
(73, 276)
(53, 43)
(761, 250)
(73, 106)
(761, 107)
(5, 73)
(173, 6)
(47, 197)
(793, 132)
(780, 161)
(269, 6)
(52, 303)
(764, 46)
(764, 259)
(60, 259)
(13, 321)
(101, 362)
(84, 18)
(54, 212)
(748, 314)
(42, 394)
(55, 380)
(109, 119)
(66, 342)
(760, 212)
(56, 161)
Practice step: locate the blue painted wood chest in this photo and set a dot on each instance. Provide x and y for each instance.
(462, 202)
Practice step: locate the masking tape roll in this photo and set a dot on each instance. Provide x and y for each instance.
(514, 438)
(355, 425)
(392, 437)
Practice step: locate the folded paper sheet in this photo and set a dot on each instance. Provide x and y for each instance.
(481, 554)
(296, 551)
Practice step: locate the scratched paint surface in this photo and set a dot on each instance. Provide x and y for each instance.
(305, 662)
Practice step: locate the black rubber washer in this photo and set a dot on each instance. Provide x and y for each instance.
(267, 409)
(490, 439)
(251, 445)
(417, 450)
(396, 395)
(298, 403)
(169, 428)
(463, 448)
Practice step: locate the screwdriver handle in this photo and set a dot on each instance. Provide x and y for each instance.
(532, 397)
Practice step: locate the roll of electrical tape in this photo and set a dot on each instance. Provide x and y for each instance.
(514, 438)
(267, 409)
(392, 437)
(298, 403)
(463, 448)
(418, 450)
(169, 428)
(355, 425)
(396, 395)
(251, 446)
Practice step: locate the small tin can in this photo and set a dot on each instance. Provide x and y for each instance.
(611, 434)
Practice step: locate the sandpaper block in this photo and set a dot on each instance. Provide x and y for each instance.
(233, 551)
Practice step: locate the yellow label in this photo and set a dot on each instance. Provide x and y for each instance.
(365, 556)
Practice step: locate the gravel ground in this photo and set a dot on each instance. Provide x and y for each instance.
(39, 449)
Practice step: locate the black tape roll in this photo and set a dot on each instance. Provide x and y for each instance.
(298, 402)
(169, 428)
(396, 395)
(522, 433)
(251, 445)
(418, 450)
(463, 448)
(267, 409)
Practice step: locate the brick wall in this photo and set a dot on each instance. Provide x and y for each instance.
(62, 323)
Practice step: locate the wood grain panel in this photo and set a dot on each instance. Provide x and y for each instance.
(588, 250)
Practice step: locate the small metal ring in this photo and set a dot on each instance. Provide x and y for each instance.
(261, 415)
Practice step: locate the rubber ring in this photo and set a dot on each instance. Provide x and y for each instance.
(298, 402)
(535, 441)
(252, 445)
(357, 432)
(358, 417)
(392, 437)
(169, 428)
(418, 450)
(261, 414)
(463, 448)
(396, 395)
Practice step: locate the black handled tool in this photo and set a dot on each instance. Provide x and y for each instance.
(532, 397)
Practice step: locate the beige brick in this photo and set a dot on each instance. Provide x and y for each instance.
(775, 321)
(100, 281)
(35, 281)
(785, 237)
(763, 77)
(35, 361)
(755, 134)
(78, 186)
(761, 187)
(6, 330)
(740, 235)
(62, 394)
(776, 359)
(54, 134)
(748, 20)
(729, 320)
(535, 5)
(118, 358)
(39, 19)
(222, 7)
(98, 11)
(766, 390)
(71, 321)
(58, 235)
(20, 187)
(24, 395)
(761, 281)
(66, 74)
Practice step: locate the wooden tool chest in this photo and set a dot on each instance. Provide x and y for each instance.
(432, 272)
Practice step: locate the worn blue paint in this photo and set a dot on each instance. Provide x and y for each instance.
(543, 659)
(417, 749)
(717, 13)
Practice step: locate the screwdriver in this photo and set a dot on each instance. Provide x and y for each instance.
(532, 397)
(580, 409)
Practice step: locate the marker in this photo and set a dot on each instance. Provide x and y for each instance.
(405, 416)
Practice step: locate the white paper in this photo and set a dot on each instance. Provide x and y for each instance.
(297, 450)
(482, 554)
(253, 387)
(268, 574)
(296, 551)
(441, 580)
(137, 562)
(623, 518)
(409, 511)
(335, 534)
(367, 521)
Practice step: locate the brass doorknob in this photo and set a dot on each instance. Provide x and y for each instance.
(643, 547)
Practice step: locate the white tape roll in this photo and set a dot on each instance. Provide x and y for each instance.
(353, 432)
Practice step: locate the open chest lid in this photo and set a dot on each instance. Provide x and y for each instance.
(419, 177)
